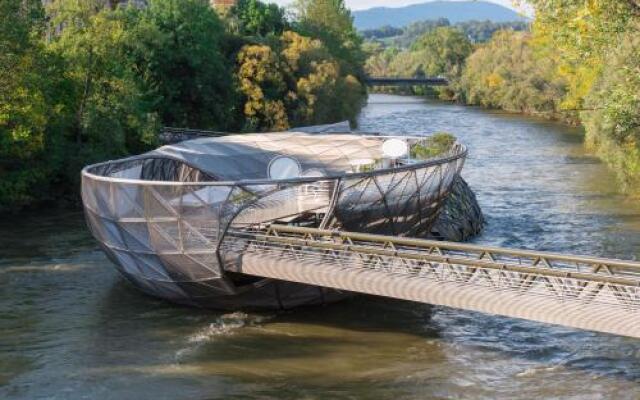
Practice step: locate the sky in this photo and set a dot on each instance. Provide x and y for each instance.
(363, 4)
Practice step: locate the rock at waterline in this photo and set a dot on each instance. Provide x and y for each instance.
(461, 216)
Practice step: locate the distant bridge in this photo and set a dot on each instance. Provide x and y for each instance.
(403, 81)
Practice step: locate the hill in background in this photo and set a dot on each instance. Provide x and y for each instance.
(454, 11)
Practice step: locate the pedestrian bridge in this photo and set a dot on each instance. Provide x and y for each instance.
(581, 292)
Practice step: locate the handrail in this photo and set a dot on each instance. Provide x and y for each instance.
(429, 244)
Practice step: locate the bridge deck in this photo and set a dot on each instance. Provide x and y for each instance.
(581, 292)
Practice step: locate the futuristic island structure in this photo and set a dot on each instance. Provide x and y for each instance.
(172, 220)
(279, 220)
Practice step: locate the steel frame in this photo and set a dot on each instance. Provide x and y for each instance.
(562, 277)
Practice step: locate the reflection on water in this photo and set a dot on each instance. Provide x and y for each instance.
(72, 329)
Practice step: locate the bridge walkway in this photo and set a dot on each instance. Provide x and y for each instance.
(581, 292)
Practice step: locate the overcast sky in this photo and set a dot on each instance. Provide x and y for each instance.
(362, 4)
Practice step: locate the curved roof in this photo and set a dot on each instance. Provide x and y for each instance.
(247, 156)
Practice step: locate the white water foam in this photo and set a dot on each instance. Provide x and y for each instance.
(224, 326)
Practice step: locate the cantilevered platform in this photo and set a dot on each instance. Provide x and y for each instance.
(581, 292)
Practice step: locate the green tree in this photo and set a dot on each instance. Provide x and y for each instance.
(441, 51)
(259, 19)
(444, 51)
(612, 118)
(24, 101)
(107, 111)
(380, 62)
(507, 73)
(332, 23)
(482, 31)
(177, 53)
(593, 43)
(413, 31)
(581, 33)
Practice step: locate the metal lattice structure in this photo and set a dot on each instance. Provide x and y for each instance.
(164, 217)
(582, 292)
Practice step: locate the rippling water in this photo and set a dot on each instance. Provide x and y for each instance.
(70, 328)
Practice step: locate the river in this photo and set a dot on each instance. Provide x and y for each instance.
(71, 328)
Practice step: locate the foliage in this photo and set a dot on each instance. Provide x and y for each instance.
(380, 61)
(440, 52)
(382, 32)
(444, 51)
(594, 44)
(24, 105)
(332, 23)
(581, 33)
(297, 82)
(413, 31)
(262, 83)
(482, 31)
(613, 121)
(104, 95)
(256, 18)
(178, 54)
(435, 145)
(506, 73)
(88, 80)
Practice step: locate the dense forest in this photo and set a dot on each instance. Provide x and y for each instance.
(89, 80)
(579, 63)
(475, 31)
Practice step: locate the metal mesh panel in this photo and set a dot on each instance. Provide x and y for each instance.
(398, 202)
(162, 220)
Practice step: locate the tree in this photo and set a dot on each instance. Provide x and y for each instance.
(259, 19)
(581, 33)
(593, 43)
(382, 32)
(332, 23)
(295, 82)
(108, 113)
(612, 118)
(506, 73)
(28, 105)
(320, 91)
(22, 105)
(177, 52)
(380, 62)
(482, 31)
(263, 85)
(89, 80)
(444, 51)
(417, 29)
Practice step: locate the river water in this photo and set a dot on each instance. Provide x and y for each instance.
(70, 328)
